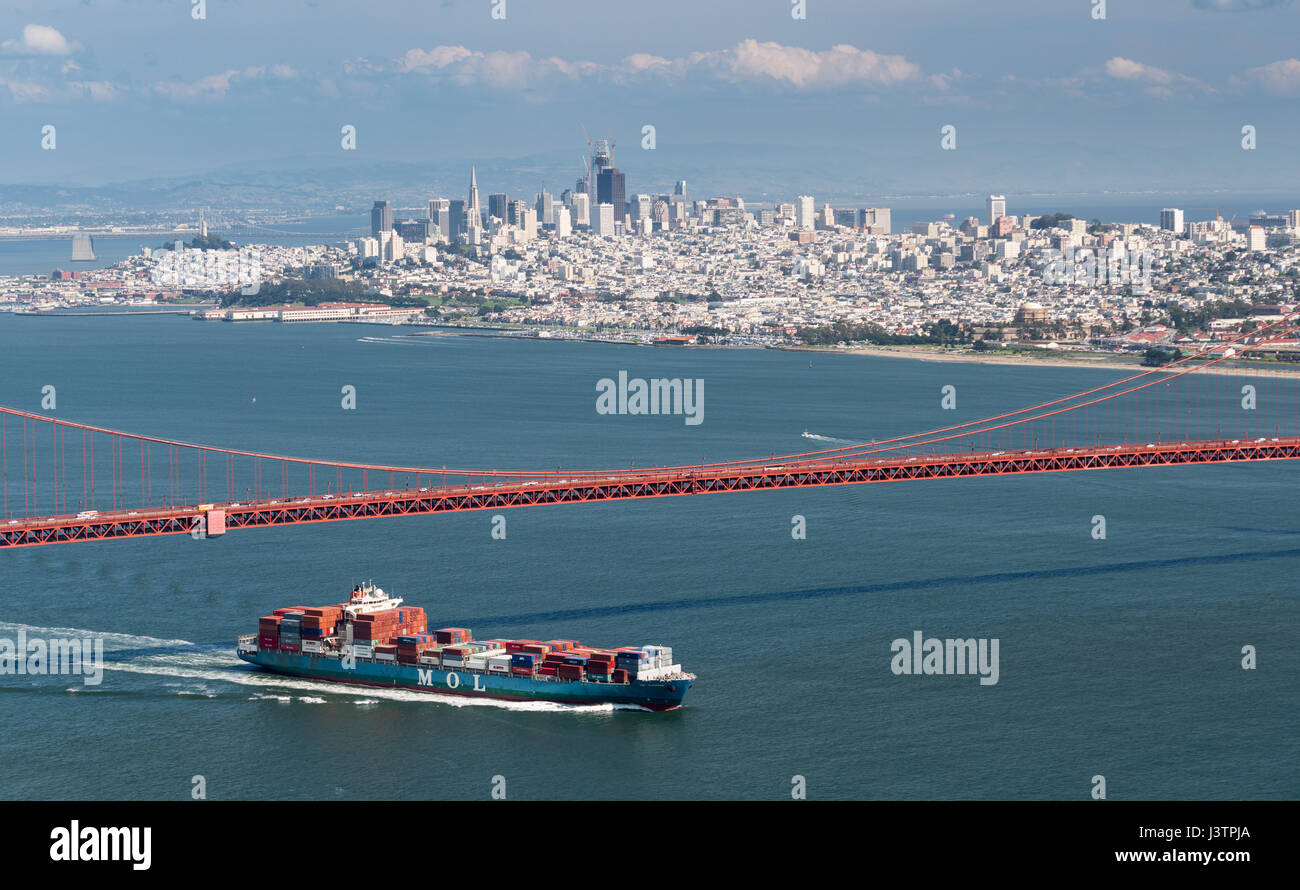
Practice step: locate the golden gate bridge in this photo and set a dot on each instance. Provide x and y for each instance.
(65, 481)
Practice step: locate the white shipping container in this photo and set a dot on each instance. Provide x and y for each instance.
(385, 656)
(311, 646)
(498, 669)
(499, 663)
(476, 664)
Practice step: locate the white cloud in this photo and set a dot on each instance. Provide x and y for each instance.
(210, 87)
(841, 65)
(1281, 78)
(749, 61)
(216, 86)
(39, 40)
(97, 90)
(1127, 69)
(1157, 82)
(25, 90)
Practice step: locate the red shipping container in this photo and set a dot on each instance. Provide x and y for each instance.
(619, 675)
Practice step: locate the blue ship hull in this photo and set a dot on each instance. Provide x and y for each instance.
(656, 695)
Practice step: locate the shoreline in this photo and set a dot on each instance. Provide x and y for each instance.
(1109, 361)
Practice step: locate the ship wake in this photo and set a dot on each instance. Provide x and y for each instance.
(832, 439)
(212, 670)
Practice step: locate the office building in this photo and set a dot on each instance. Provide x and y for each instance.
(381, 218)
(456, 222)
(805, 213)
(545, 207)
(611, 189)
(603, 220)
(997, 207)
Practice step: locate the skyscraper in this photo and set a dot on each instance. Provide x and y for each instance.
(1171, 219)
(805, 212)
(641, 207)
(545, 207)
(440, 216)
(381, 218)
(473, 212)
(997, 207)
(680, 187)
(581, 209)
(611, 188)
(602, 220)
(497, 205)
(602, 159)
(456, 217)
(875, 220)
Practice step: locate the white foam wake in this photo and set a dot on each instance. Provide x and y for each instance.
(401, 341)
(125, 641)
(227, 671)
(832, 439)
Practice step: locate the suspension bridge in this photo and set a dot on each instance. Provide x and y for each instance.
(65, 481)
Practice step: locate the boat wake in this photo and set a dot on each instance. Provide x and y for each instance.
(111, 640)
(401, 341)
(831, 439)
(230, 669)
(202, 668)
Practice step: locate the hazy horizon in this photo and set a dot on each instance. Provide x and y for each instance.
(1044, 98)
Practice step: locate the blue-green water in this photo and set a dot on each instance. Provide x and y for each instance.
(1119, 657)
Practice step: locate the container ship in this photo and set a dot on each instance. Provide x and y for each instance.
(373, 640)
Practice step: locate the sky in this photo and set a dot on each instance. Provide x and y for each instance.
(1046, 96)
